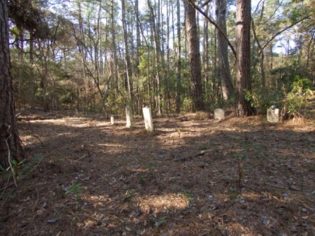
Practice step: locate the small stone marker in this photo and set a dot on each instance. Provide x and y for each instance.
(147, 116)
(112, 120)
(273, 114)
(219, 114)
(128, 117)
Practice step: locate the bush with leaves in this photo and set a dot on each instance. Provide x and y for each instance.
(297, 98)
(291, 93)
(261, 99)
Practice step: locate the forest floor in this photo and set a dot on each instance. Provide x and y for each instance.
(190, 177)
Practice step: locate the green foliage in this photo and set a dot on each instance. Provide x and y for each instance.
(296, 99)
(22, 168)
(296, 84)
(74, 189)
(288, 76)
(187, 104)
(35, 88)
(26, 168)
(115, 103)
(25, 81)
(263, 98)
(188, 195)
(291, 93)
(65, 72)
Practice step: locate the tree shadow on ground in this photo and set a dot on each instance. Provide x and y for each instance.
(188, 178)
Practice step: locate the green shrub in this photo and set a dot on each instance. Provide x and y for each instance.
(187, 105)
(291, 93)
(263, 98)
(297, 98)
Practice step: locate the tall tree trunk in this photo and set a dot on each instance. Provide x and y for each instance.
(114, 47)
(206, 58)
(127, 55)
(168, 61)
(137, 60)
(224, 67)
(178, 77)
(156, 30)
(194, 56)
(10, 144)
(243, 76)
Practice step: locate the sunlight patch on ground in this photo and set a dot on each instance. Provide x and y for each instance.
(139, 170)
(112, 147)
(251, 196)
(235, 228)
(91, 221)
(96, 200)
(163, 203)
(62, 121)
(77, 122)
(27, 139)
(64, 134)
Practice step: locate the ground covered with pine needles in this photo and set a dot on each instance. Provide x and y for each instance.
(192, 176)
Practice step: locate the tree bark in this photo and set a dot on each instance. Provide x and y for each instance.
(127, 55)
(10, 144)
(155, 28)
(243, 76)
(178, 76)
(114, 47)
(194, 56)
(224, 67)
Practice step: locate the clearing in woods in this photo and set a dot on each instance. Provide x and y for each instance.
(191, 177)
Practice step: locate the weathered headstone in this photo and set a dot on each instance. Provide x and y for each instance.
(112, 120)
(219, 114)
(147, 116)
(128, 117)
(273, 114)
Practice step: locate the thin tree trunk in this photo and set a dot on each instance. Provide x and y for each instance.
(114, 46)
(206, 58)
(178, 77)
(168, 62)
(127, 55)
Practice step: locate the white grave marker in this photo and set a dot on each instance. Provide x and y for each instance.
(273, 114)
(112, 120)
(128, 117)
(219, 114)
(147, 116)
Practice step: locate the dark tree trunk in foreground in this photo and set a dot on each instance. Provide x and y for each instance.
(243, 77)
(194, 56)
(10, 145)
(224, 67)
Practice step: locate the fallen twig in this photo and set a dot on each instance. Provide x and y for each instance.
(9, 160)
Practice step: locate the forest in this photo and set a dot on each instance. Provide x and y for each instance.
(157, 117)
